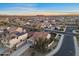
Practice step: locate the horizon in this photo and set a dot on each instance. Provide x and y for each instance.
(39, 8)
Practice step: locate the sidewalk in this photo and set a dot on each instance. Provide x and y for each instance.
(76, 45)
(21, 50)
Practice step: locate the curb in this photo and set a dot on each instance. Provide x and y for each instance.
(76, 45)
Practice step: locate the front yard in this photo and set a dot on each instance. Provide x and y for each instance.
(38, 51)
(53, 43)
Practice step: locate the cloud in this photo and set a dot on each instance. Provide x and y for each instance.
(33, 9)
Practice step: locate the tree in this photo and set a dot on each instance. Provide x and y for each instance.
(33, 53)
(41, 44)
(61, 29)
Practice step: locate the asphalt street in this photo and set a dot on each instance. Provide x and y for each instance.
(68, 47)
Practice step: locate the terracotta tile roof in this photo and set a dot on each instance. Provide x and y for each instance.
(37, 35)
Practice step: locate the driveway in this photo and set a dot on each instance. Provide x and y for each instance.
(21, 50)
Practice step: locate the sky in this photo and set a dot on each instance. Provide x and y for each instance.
(38, 8)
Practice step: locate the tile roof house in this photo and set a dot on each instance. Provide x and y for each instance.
(15, 36)
(37, 35)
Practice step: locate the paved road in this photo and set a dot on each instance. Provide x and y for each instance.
(67, 48)
(2, 50)
(60, 32)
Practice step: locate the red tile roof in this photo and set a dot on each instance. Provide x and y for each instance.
(37, 35)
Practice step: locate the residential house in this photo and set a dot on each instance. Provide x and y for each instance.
(37, 35)
(14, 37)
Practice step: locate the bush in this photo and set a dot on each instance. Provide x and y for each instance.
(49, 50)
(1, 54)
(33, 53)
